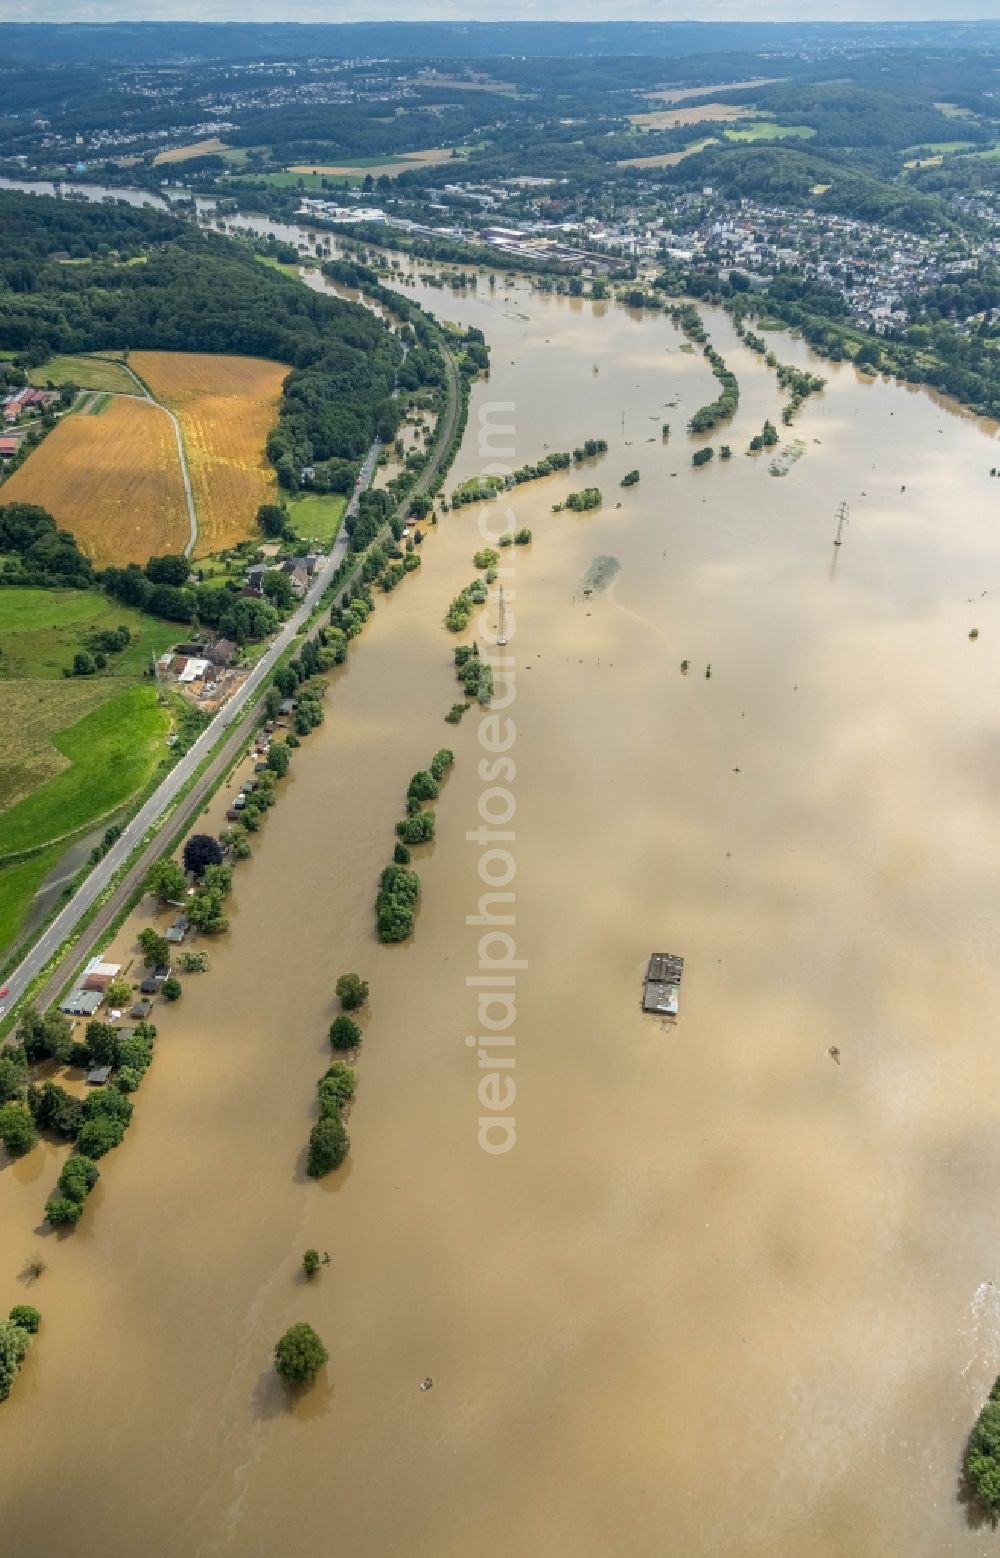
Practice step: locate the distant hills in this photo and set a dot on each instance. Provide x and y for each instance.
(144, 42)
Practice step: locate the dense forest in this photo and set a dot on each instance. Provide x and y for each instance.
(196, 291)
(843, 114)
(782, 174)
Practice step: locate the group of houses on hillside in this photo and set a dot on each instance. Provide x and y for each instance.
(19, 406)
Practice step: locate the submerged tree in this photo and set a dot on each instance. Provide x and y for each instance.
(299, 1355)
(982, 1455)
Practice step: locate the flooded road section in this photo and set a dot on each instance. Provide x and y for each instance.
(724, 1295)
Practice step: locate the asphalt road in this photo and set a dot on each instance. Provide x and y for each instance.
(94, 885)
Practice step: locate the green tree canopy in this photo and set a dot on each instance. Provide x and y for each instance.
(166, 881)
(352, 990)
(299, 1355)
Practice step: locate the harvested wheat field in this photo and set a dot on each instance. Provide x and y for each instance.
(226, 407)
(392, 167)
(113, 479)
(682, 94)
(670, 118)
(194, 149)
(668, 159)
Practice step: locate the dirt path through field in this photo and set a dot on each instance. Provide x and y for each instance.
(147, 394)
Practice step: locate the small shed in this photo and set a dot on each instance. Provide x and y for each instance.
(176, 932)
(141, 1010)
(287, 706)
(149, 986)
(161, 973)
(98, 1076)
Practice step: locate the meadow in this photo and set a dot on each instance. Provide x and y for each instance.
(316, 515)
(75, 747)
(41, 631)
(767, 130)
(18, 885)
(96, 373)
(226, 407)
(34, 712)
(104, 758)
(112, 478)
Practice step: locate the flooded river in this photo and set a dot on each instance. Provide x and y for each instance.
(723, 1296)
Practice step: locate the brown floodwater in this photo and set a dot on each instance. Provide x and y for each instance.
(723, 1295)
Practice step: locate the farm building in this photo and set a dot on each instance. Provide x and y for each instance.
(193, 671)
(82, 1003)
(98, 975)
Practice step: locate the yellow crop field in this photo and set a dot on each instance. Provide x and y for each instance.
(195, 149)
(670, 118)
(683, 94)
(226, 407)
(668, 159)
(113, 479)
(392, 167)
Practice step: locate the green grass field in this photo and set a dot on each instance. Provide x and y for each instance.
(32, 713)
(309, 183)
(317, 515)
(18, 885)
(112, 753)
(89, 372)
(937, 148)
(41, 631)
(284, 266)
(765, 130)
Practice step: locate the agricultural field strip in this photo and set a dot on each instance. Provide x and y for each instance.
(147, 394)
(38, 473)
(670, 118)
(226, 405)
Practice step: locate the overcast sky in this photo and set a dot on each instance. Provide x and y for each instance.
(489, 10)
